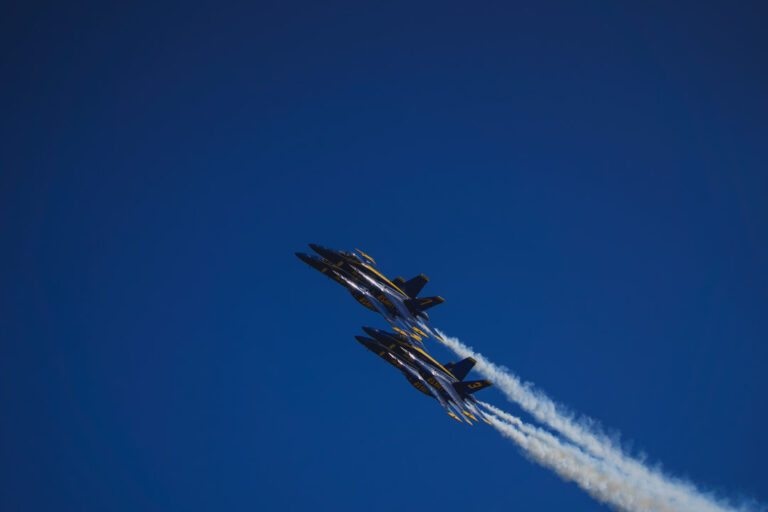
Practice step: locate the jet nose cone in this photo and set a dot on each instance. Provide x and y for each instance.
(319, 249)
(370, 331)
(312, 261)
(325, 252)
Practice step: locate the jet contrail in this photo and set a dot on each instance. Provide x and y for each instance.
(599, 480)
(674, 493)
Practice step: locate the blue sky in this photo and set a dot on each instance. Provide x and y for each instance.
(584, 185)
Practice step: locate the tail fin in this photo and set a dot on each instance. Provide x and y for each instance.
(462, 368)
(399, 282)
(413, 286)
(471, 386)
(422, 304)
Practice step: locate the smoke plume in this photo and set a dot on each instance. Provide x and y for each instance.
(591, 459)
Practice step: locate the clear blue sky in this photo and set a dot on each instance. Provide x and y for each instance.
(585, 186)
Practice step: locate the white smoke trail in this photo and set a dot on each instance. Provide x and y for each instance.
(676, 493)
(613, 486)
(599, 481)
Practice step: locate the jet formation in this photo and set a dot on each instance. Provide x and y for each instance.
(398, 302)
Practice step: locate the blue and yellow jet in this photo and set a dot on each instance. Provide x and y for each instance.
(396, 300)
(445, 383)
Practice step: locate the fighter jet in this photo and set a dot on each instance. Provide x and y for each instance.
(445, 383)
(396, 300)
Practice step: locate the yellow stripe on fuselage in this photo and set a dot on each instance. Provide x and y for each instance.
(432, 360)
(420, 351)
(390, 283)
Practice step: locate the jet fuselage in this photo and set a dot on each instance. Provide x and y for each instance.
(426, 374)
(355, 271)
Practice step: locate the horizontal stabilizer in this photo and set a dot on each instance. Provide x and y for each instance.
(422, 304)
(471, 386)
(462, 368)
(413, 287)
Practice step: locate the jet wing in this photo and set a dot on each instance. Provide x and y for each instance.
(415, 374)
(459, 404)
(396, 322)
(391, 320)
(394, 298)
(405, 320)
(372, 300)
(446, 384)
(378, 305)
(397, 301)
(351, 283)
(409, 318)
